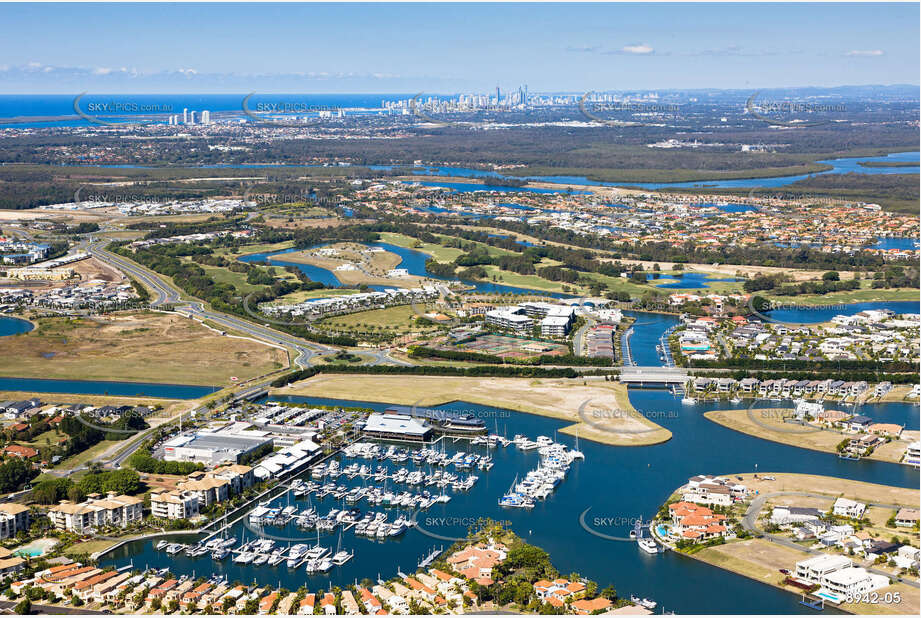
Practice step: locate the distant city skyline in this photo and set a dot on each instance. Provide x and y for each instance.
(452, 48)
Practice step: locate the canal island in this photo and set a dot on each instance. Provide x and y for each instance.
(641, 338)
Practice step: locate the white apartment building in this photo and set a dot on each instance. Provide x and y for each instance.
(511, 319)
(96, 512)
(13, 518)
(554, 326)
(174, 504)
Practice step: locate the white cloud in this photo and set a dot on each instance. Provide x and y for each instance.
(865, 52)
(641, 49)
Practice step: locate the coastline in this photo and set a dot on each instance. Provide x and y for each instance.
(741, 557)
(554, 398)
(823, 441)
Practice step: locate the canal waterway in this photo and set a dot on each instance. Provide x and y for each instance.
(615, 484)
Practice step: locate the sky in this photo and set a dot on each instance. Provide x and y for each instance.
(449, 48)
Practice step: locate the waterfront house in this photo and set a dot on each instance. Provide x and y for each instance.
(191, 599)
(266, 603)
(812, 570)
(349, 604)
(419, 590)
(305, 607)
(848, 508)
(859, 423)
(585, 607)
(372, 604)
(862, 445)
(913, 453)
(788, 515)
(882, 388)
(906, 518)
(850, 582)
(695, 522)
(747, 385)
(702, 384)
(832, 417)
(885, 429)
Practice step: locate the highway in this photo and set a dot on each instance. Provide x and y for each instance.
(166, 294)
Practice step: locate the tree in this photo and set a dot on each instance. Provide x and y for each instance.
(23, 608)
(831, 275)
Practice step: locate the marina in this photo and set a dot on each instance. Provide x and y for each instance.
(641, 480)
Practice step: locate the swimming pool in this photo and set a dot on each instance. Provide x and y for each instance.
(35, 548)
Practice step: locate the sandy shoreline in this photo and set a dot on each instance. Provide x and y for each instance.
(599, 411)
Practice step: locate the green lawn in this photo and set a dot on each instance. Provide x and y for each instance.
(400, 318)
(854, 296)
(47, 438)
(440, 253)
(86, 456)
(506, 277)
(301, 296)
(257, 248)
(238, 280)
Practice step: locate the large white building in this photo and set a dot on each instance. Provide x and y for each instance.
(213, 448)
(13, 518)
(175, 504)
(95, 513)
(852, 581)
(813, 570)
(397, 426)
(512, 319)
(554, 326)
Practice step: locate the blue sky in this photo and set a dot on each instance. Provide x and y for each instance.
(63, 48)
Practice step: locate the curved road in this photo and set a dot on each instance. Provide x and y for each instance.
(166, 294)
(754, 509)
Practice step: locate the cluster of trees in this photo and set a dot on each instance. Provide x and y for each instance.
(143, 461)
(831, 282)
(84, 433)
(15, 473)
(568, 359)
(472, 372)
(192, 279)
(51, 490)
(896, 276)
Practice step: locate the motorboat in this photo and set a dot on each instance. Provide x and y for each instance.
(648, 545)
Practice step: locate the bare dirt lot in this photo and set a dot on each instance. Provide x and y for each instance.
(136, 346)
